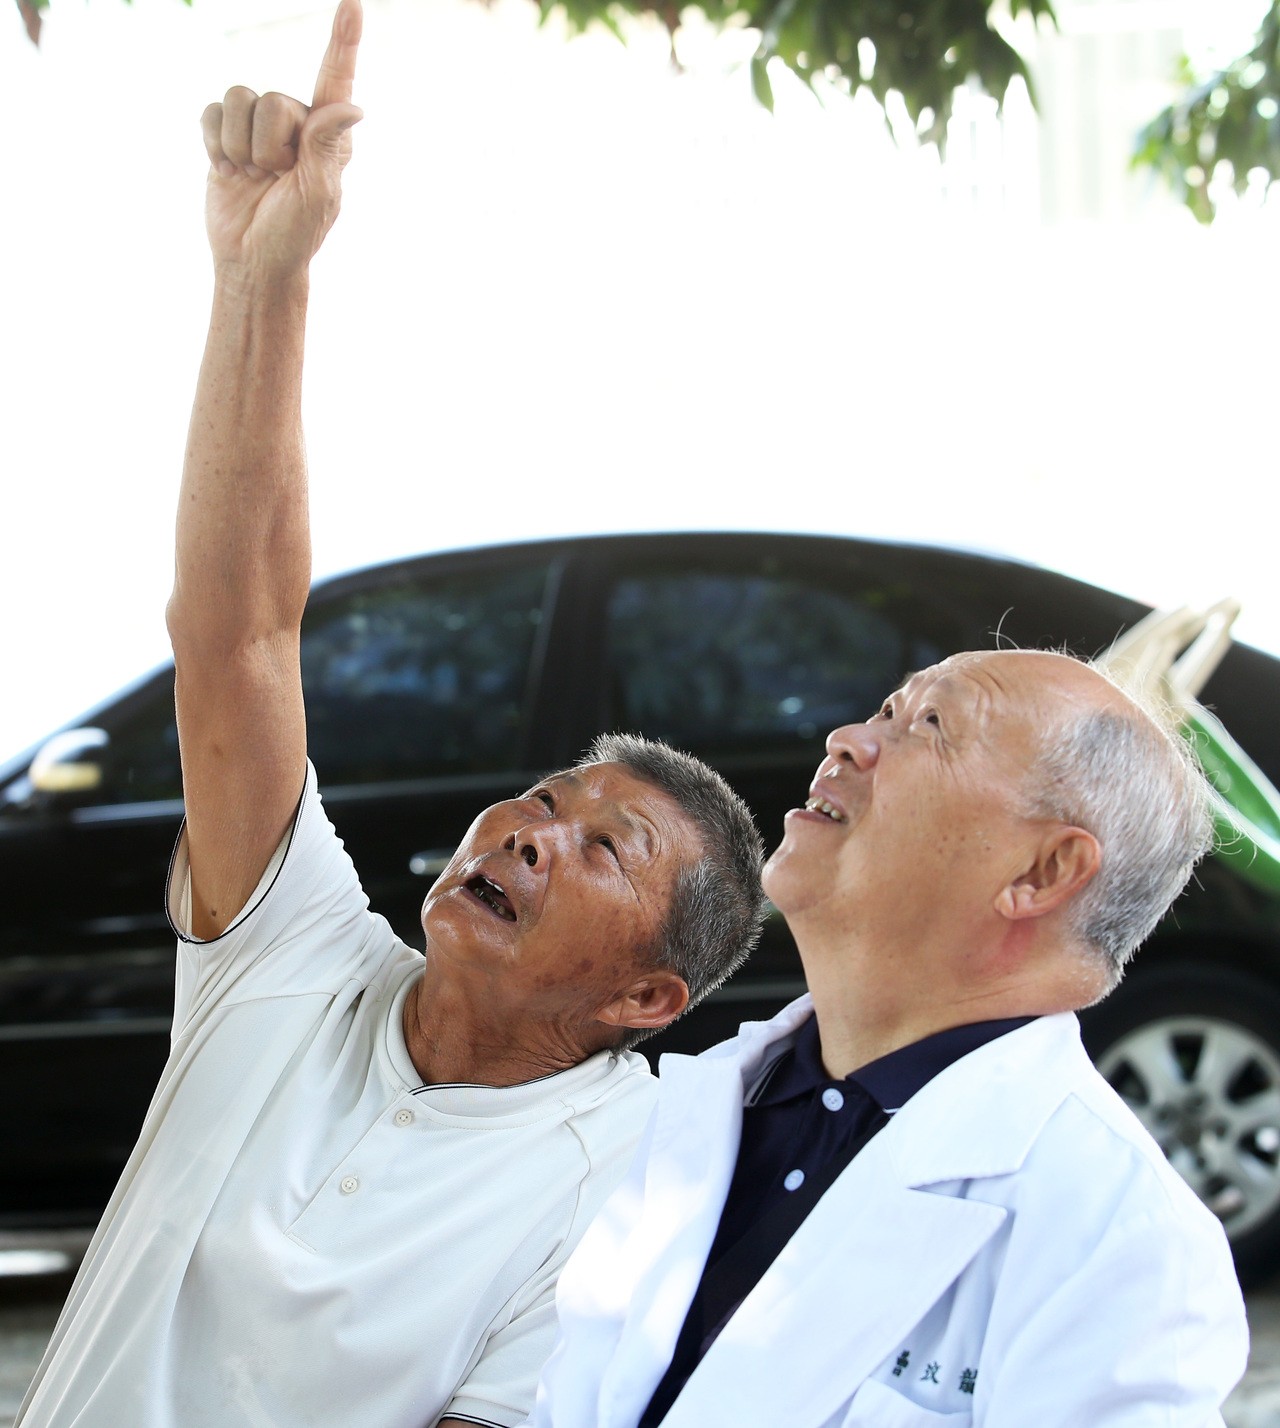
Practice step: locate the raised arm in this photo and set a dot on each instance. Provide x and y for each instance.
(243, 541)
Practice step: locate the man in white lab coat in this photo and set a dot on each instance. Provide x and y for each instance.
(909, 1199)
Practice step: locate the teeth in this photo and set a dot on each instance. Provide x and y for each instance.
(820, 805)
(489, 894)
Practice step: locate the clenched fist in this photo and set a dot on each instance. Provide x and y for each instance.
(275, 184)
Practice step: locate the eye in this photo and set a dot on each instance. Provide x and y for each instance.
(930, 716)
(545, 798)
(606, 842)
(884, 712)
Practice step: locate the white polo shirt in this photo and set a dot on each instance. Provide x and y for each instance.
(305, 1235)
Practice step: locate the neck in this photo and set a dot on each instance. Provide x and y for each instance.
(872, 1001)
(458, 1034)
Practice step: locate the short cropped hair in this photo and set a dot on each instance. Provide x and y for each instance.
(1128, 777)
(717, 903)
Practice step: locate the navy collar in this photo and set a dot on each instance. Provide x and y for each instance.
(890, 1081)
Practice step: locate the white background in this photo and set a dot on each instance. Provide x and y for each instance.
(575, 289)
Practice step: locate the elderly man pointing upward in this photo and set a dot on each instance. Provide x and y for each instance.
(910, 1200)
(364, 1167)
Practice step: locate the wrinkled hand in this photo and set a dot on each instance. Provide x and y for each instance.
(275, 184)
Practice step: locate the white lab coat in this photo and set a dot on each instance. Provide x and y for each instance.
(1012, 1251)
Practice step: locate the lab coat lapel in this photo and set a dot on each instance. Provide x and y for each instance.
(864, 1267)
(881, 1246)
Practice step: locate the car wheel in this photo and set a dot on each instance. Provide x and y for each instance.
(1195, 1052)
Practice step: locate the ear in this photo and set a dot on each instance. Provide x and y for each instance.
(1065, 860)
(651, 1001)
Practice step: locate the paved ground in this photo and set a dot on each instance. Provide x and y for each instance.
(29, 1306)
(1256, 1403)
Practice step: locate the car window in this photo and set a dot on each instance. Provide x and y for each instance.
(412, 679)
(727, 664)
(142, 760)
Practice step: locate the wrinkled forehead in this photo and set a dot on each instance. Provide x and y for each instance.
(1010, 691)
(634, 803)
(965, 678)
(1019, 676)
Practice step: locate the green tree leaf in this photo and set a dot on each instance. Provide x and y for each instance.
(760, 84)
(1225, 126)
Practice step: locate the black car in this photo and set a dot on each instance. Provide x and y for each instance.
(437, 685)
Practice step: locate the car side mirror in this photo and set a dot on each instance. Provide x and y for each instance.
(69, 763)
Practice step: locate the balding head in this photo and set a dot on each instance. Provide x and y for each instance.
(1117, 767)
(1044, 684)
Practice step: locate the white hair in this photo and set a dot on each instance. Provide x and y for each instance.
(1126, 775)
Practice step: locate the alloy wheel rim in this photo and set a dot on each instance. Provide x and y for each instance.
(1208, 1091)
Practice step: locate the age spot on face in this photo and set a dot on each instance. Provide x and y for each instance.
(575, 973)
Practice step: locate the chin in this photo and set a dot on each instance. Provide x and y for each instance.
(774, 879)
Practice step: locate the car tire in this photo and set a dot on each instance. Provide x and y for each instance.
(1195, 1052)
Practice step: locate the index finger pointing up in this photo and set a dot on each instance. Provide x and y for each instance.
(338, 68)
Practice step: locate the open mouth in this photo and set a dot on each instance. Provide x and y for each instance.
(828, 810)
(492, 896)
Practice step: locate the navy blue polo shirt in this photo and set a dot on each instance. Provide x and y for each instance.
(798, 1123)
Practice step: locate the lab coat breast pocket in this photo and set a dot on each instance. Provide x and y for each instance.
(876, 1405)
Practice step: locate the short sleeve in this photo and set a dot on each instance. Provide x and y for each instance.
(306, 927)
(499, 1389)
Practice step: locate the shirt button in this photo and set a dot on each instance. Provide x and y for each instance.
(794, 1180)
(349, 1185)
(404, 1118)
(832, 1099)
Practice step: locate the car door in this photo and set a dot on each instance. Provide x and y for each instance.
(86, 961)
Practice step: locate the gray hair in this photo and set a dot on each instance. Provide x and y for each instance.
(1128, 777)
(717, 904)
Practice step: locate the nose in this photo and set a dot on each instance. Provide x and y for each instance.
(535, 841)
(523, 841)
(854, 744)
